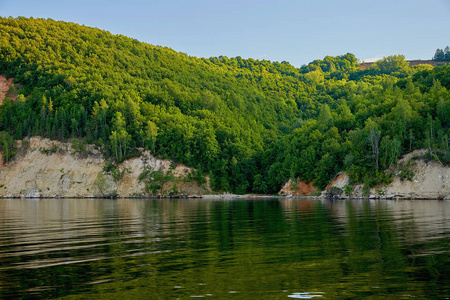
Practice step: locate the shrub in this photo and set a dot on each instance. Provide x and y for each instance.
(405, 171)
(154, 180)
(334, 192)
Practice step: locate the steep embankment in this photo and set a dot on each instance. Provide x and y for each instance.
(45, 168)
(413, 177)
(297, 187)
(429, 179)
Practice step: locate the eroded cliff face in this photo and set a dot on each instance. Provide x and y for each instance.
(429, 179)
(297, 187)
(425, 180)
(45, 168)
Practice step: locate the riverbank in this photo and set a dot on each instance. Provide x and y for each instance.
(43, 168)
(414, 176)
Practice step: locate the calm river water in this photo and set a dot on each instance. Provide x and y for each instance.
(224, 249)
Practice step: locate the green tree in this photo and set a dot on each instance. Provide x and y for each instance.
(439, 55)
(119, 137)
(373, 137)
(391, 64)
(325, 116)
(259, 184)
(151, 132)
(447, 53)
(7, 146)
(390, 150)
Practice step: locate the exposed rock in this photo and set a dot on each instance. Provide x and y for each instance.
(340, 181)
(297, 187)
(430, 180)
(46, 168)
(33, 193)
(335, 189)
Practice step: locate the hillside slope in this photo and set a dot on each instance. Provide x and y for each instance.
(250, 125)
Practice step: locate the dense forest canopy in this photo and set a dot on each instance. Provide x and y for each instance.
(250, 124)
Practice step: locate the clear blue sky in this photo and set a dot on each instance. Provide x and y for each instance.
(296, 31)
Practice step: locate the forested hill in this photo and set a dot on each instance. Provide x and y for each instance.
(249, 124)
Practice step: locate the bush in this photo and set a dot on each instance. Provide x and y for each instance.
(174, 190)
(51, 150)
(405, 172)
(348, 190)
(154, 180)
(334, 192)
(79, 146)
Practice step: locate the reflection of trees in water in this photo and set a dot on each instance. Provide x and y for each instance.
(40, 236)
(346, 249)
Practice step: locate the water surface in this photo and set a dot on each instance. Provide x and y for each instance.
(224, 249)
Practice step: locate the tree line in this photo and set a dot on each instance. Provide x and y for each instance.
(442, 55)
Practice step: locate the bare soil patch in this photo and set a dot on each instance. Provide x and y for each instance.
(5, 85)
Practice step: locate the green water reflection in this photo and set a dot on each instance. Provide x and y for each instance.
(242, 249)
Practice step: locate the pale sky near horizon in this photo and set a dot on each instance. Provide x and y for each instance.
(295, 31)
